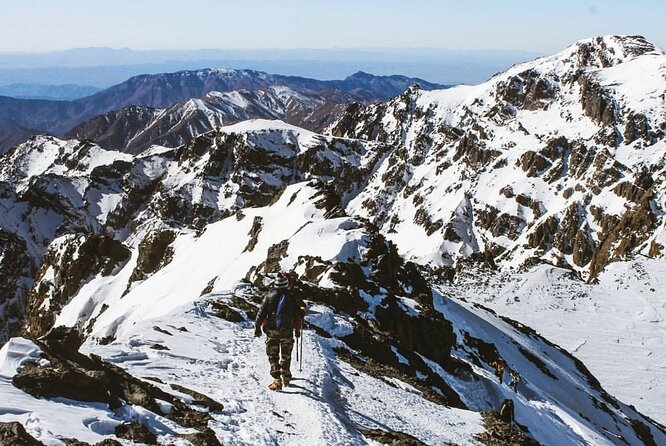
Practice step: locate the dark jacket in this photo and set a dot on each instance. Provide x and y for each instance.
(506, 411)
(292, 314)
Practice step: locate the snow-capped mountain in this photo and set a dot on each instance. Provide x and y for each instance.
(165, 90)
(158, 260)
(558, 160)
(136, 128)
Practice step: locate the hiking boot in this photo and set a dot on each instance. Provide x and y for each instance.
(285, 382)
(275, 385)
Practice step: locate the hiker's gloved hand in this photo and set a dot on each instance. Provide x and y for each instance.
(297, 333)
(257, 331)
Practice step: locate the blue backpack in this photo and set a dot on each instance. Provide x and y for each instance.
(285, 311)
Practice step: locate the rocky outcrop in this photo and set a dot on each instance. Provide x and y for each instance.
(14, 434)
(16, 272)
(69, 263)
(632, 230)
(393, 438)
(87, 378)
(597, 103)
(499, 433)
(154, 253)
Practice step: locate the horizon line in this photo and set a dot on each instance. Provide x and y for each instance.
(360, 48)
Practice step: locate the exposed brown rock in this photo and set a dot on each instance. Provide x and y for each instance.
(597, 103)
(16, 271)
(254, 233)
(499, 433)
(225, 312)
(71, 262)
(393, 438)
(154, 254)
(198, 398)
(633, 229)
(498, 223)
(135, 432)
(14, 434)
(533, 163)
(87, 378)
(528, 90)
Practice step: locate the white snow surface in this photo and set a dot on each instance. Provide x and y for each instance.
(617, 327)
(223, 360)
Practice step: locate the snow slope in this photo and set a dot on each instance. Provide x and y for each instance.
(615, 327)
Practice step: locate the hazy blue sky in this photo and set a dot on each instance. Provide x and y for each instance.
(543, 26)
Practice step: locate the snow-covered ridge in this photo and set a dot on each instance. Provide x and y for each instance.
(549, 146)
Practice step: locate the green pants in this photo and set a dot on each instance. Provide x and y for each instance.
(279, 344)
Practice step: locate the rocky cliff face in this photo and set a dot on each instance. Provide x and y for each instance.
(555, 160)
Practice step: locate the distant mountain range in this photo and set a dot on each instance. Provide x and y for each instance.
(64, 92)
(23, 117)
(104, 67)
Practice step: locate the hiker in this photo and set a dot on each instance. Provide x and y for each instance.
(280, 317)
(515, 379)
(506, 411)
(499, 365)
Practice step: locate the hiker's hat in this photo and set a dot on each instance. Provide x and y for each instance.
(281, 281)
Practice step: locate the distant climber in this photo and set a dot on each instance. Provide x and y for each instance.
(515, 380)
(499, 365)
(280, 317)
(506, 411)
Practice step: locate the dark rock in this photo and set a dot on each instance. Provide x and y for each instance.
(16, 270)
(275, 253)
(393, 438)
(74, 442)
(161, 330)
(254, 234)
(597, 102)
(638, 127)
(68, 382)
(14, 434)
(225, 312)
(82, 257)
(534, 164)
(135, 432)
(199, 398)
(500, 433)
(76, 376)
(109, 442)
(154, 253)
(528, 90)
(205, 437)
(499, 223)
(631, 231)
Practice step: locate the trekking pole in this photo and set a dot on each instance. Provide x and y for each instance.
(300, 364)
(297, 340)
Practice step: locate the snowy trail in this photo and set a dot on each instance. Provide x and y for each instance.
(326, 404)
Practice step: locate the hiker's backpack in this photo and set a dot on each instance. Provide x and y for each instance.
(506, 411)
(285, 310)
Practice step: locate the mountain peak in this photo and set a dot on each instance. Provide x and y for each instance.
(610, 50)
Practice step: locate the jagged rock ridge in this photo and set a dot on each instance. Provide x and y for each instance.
(558, 160)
